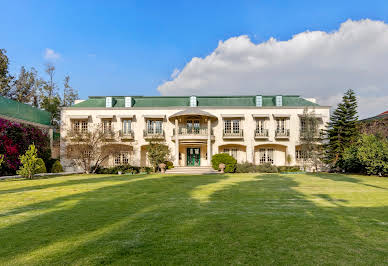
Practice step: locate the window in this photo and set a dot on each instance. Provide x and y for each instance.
(154, 126)
(266, 156)
(80, 125)
(121, 158)
(260, 126)
(193, 126)
(303, 127)
(232, 152)
(231, 126)
(127, 126)
(281, 125)
(301, 155)
(107, 125)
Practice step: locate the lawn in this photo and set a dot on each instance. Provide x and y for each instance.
(210, 219)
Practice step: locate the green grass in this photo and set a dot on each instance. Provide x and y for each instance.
(208, 220)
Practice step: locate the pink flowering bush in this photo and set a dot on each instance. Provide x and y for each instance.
(15, 139)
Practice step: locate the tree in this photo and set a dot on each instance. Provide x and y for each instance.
(69, 94)
(1, 159)
(5, 77)
(343, 130)
(29, 163)
(52, 105)
(310, 140)
(49, 97)
(368, 155)
(24, 87)
(89, 149)
(157, 153)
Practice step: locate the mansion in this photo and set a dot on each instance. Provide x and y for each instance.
(256, 129)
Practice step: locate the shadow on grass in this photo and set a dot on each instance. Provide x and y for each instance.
(343, 178)
(157, 221)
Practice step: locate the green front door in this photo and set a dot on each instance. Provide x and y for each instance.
(193, 156)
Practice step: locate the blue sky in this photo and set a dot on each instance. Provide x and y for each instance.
(132, 47)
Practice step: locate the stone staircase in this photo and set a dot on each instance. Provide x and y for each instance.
(192, 170)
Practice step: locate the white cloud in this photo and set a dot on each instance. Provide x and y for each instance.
(51, 55)
(312, 64)
(174, 73)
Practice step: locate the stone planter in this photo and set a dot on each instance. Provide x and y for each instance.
(162, 167)
(222, 167)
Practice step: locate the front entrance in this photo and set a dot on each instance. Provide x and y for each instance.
(193, 156)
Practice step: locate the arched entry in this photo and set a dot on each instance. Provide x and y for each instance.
(270, 153)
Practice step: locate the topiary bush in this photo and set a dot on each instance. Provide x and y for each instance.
(286, 168)
(41, 166)
(57, 167)
(229, 161)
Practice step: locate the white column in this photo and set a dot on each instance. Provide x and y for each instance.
(176, 143)
(291, 151)
(209, 142)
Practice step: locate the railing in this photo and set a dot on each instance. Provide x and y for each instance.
(126, 134)
(109, 134)
(282, 133)
(304, 134)
(153, 134)
(238, 134)
(261, 133)
(198, 131)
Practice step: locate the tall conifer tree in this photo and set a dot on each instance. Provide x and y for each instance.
(343, 129)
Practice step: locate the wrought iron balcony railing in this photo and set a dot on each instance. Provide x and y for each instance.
(157, 134)
(233, 134)
(280, 133)
(261, 133)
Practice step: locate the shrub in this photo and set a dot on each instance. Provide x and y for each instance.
(369, 154)
(289, 168)
(169, 164)
(126, 169)
(29, 163)
(245, 168)
(1, 159)
(229, 161)
(266, 168)
(15, 140)
(57, 167)
(41, 167)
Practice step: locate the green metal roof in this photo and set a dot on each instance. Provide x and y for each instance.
(210, 101)
(24, 112)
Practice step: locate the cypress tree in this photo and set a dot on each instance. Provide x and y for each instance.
(342, 129)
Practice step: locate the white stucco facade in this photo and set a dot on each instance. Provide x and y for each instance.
(254, 134)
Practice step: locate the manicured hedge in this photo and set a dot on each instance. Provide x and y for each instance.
(125, 169)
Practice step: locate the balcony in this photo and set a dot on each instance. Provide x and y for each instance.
(261, 134)
(187, 134)
(109, 134)
(126, 135)
(282, 133)
(233, 134)
(153, 134)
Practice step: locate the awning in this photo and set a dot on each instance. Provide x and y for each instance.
(281, 115)
(79, 116)
(232, 115)
(260, 116)
(193, 111)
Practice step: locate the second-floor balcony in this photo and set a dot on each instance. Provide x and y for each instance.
(153, 134)
(233, 134)
(126, 135)
(282, 133)
(261, 133)
(193, 133)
